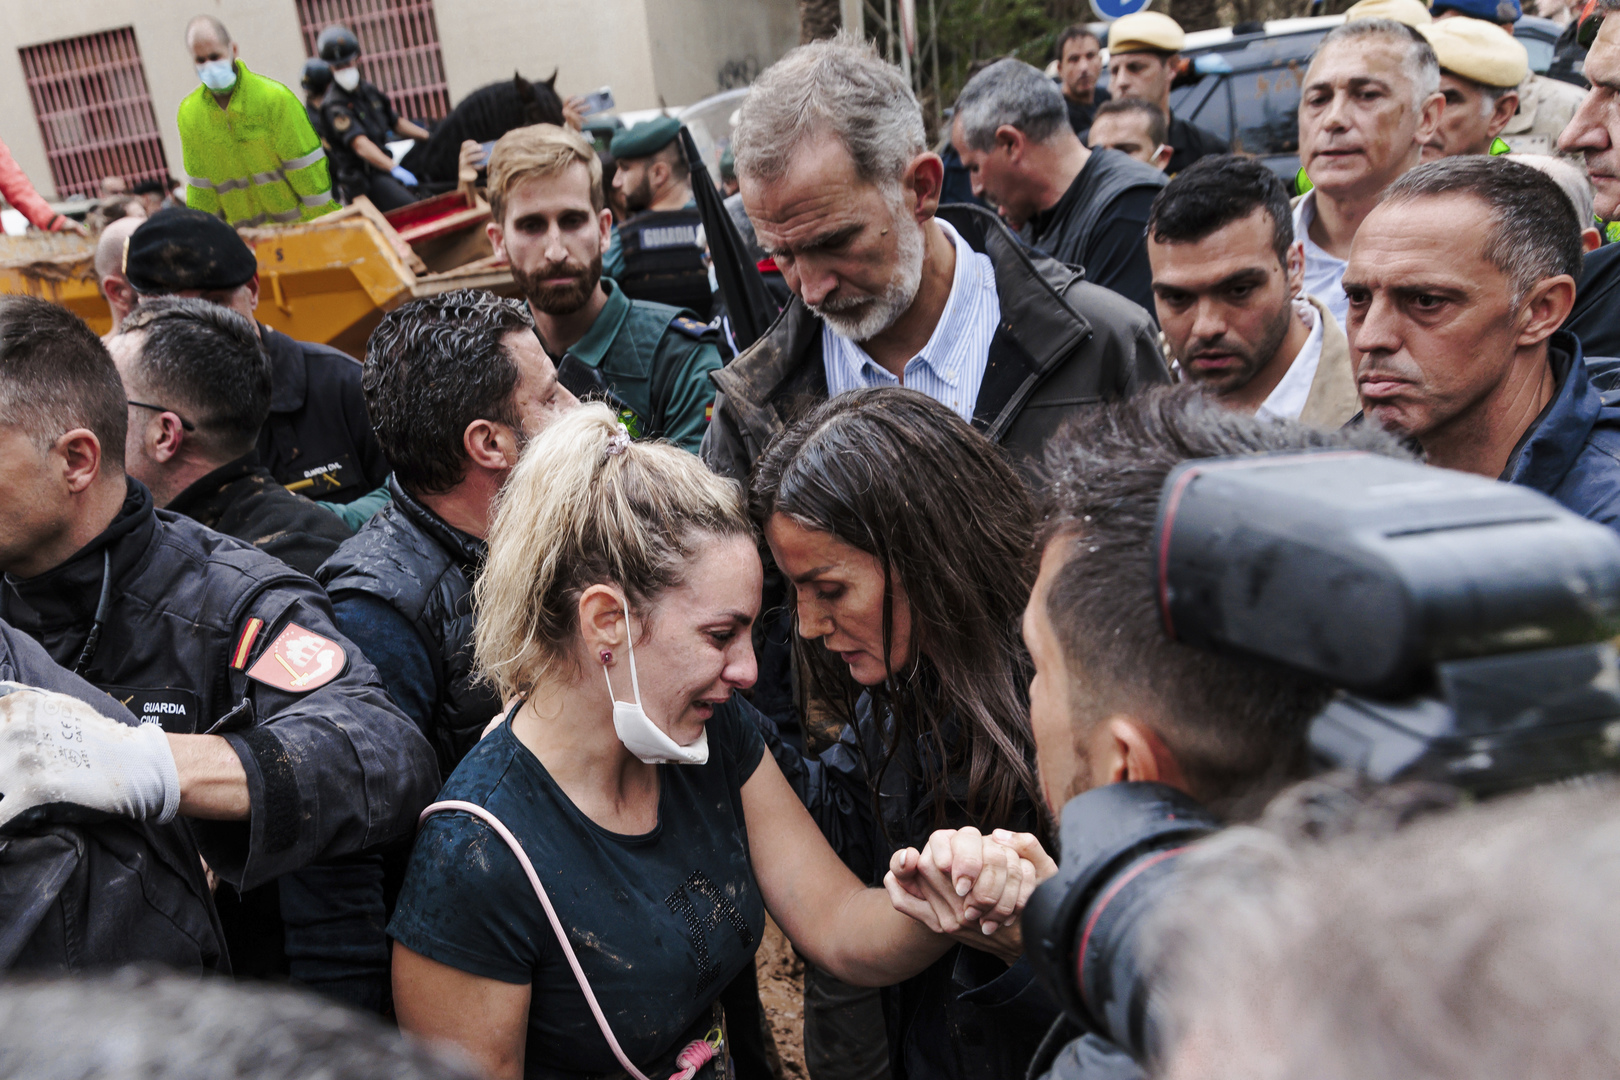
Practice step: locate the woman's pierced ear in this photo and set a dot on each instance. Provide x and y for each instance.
(607, 657)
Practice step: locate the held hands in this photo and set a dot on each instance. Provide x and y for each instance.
(970, 886)
(56, 749)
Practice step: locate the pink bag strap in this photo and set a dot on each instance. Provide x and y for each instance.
(691, 1058)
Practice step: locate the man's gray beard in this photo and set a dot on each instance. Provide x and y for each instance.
(865, 318)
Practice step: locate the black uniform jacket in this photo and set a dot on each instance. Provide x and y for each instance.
(1063, 342)
(331, 770)
(318, 440)
(82, 894)
(243, 500)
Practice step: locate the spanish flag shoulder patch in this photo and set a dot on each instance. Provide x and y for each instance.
(244, 644)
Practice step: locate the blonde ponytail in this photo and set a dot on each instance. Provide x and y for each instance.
(573, 514)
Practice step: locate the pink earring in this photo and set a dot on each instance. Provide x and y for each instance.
(607, 657)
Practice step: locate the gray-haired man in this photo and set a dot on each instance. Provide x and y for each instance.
(1084, 207)
(843, 192)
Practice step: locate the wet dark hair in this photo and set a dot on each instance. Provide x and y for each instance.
(1215, 191)
(55, 375)
(897, 475)
(432, 367)
(204, 361)
(1235, 725)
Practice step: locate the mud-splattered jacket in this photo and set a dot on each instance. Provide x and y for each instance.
(243, 500)
(82, 895)
(330, 771)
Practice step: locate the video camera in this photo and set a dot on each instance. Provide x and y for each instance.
(1466, 621)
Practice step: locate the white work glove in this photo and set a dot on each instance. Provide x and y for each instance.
(57, 749)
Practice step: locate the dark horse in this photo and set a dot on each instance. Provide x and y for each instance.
(483, 115)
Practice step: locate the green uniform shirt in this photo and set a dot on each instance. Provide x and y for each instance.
(657, 359)
(257, 160)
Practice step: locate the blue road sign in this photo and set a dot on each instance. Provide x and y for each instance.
(1109, 10)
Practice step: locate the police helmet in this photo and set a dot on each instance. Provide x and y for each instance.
(337, 45)
(317, 76)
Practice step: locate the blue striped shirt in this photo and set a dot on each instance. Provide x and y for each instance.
(951, 366)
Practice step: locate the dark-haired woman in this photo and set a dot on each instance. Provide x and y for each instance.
(907, 540)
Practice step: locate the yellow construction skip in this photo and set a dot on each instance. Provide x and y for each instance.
(330, 280)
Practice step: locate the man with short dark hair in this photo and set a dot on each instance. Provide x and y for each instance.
(1144, 54)
(456, 385)
(1371, 101)
(279, 744)
(1133, 127)
(199, 390)
(317, 440)
(1113, 698)
(1079, 56)
(1458, 283)
(1086, 208)
(1228, 278)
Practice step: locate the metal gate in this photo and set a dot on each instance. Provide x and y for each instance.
(399, 49)
(94, 112)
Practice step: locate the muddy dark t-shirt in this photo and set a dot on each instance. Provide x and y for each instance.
(661, 922)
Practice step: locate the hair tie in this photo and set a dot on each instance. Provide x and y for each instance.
(618, 442)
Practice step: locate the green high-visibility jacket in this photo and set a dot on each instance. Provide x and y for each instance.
(257, 160)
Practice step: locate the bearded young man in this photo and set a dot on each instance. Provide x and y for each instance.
(552, 224)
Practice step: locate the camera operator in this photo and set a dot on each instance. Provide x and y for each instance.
(1113, 698)
(1474, 945)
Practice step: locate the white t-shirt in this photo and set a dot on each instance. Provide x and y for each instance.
(1287, 398)
(1324, 274)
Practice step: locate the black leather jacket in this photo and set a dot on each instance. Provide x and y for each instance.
(331, 770)
(1062, 342)
(409, 558)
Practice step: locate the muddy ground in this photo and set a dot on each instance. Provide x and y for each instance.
(781, 988)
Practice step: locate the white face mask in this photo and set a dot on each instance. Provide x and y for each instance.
(217, 75)
(348, 77)
(643, 738)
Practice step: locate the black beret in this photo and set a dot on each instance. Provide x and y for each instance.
(179, 249)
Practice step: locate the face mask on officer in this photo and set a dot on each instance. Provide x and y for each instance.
(348, 77)
(217, 75)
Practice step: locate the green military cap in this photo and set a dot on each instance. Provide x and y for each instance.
(645, 139)
(728, 165)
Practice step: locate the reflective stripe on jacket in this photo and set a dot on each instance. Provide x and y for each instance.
(257, 161)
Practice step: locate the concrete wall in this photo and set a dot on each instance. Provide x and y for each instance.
(701, 46)
(266, 31)
(651, 52)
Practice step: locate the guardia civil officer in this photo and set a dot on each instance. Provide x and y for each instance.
(276, 739)
(317, 440)
(93, 894)
(663, 238)
(551, 224)
(359, 118)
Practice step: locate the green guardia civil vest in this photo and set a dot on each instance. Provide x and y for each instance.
(256, 160)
